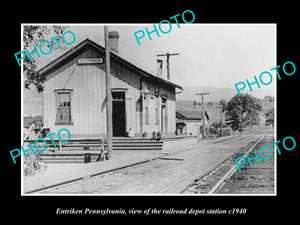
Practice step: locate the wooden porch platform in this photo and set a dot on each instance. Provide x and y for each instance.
(76, 149)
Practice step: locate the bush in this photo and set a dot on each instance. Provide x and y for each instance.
(226, 131)
(214, 130)
(37, 167)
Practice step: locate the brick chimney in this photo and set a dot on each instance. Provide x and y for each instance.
(159, 67)
(114, 40)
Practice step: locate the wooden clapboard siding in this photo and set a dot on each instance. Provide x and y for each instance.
(171, 117)
(87, 99)
(170, 110)
(129, 81)
(88, 106)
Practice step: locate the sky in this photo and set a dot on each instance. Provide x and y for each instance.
(211, 55)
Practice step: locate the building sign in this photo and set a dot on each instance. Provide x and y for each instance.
(90, 61)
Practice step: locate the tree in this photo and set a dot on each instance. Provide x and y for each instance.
(34, 35)
(253, 119)
(270, 117)
(223, 104)
(215, 131)
(242, 111)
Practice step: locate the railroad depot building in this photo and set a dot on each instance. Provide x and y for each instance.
(74, 95)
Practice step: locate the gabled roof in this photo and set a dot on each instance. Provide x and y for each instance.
(189, 115)
(44, 71)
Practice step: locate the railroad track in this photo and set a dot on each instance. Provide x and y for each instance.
(129, 177)
(226, 179)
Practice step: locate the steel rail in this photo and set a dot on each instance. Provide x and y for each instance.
(232, 170)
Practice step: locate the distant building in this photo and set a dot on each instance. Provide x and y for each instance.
(190, 121)
(269, 98)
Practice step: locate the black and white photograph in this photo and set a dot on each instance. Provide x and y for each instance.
(168, 114)
(149, 112)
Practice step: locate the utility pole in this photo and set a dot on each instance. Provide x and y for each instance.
(168, 62)
(203, 130)
(108, 94)
(221, 109)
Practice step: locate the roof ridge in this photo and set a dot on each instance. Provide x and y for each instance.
(118, 56)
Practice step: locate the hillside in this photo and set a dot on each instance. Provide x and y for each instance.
(217, 93)
(214, 112)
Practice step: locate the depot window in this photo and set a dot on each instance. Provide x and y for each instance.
(63, 106)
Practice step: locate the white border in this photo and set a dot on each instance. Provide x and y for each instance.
(132, 24)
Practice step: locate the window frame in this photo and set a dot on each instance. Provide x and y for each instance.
(57, 93)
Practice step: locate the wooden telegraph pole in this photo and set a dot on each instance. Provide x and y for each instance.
(203, 130)
(168, 62)
(108, 94)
